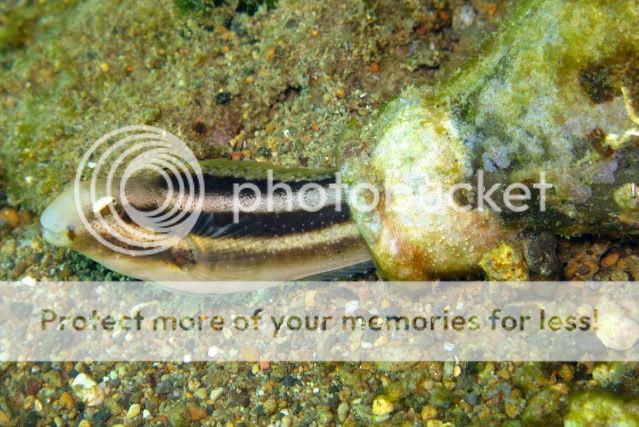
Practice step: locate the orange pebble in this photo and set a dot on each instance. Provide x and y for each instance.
(196, 413)
(11, 216)
(444, 16)
(610, 260)
(375, 67)
(67, 401)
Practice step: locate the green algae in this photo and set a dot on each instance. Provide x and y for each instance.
(600, 408)
(88, 68)
(261, 170)
(20, 22)
(250, 7)
(544, 408)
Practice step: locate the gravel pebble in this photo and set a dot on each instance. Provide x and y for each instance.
(134, 411)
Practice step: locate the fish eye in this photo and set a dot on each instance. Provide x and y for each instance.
(71, 232)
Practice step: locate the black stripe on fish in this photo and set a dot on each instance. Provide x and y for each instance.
(217, 219)
(222, 224)
(225, 185)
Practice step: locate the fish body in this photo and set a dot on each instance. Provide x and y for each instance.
(277, 242)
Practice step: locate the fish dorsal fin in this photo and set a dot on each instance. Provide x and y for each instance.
(251, 170)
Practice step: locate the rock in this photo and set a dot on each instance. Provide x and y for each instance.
(31, 419)
(618, 328)
(53, 378)
(11, 216)
(8, 248)
(463, 17)
(134, 411)
(610, 259)
(215, 394)
(196, 413)
(601, 408)
(101, 417)
(429, 412)
(324, 416)
(87, 390)
(545, 405)
(610, 373)
(485, 7)
(583, 260)
(505, 263)
(342, 411)
(4, 419)
(32, 386)
(566, 372)
(178, 415)
(67, 401)
(395, 391)
(270, 406)
(547, 113)
(265, 365)
(201, 393)
(540, 252)
(382, 406)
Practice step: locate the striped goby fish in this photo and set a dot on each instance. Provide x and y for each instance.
(268, 243)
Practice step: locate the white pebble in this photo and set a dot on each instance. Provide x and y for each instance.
(351, 307)
(87, 390)
(216, 393)
(213, 351)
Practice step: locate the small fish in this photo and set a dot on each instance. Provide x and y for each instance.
(265, 244)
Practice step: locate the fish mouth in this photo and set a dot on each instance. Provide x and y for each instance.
(56, 237)
(57, 221)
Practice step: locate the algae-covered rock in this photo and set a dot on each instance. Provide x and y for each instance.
(544, 408)
(505, 263)
(539, 133)
(599, 408)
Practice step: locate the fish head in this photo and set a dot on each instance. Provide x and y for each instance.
(99, 224)
(61, 222)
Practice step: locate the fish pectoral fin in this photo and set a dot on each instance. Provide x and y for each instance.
(207, 226)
